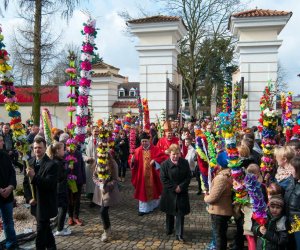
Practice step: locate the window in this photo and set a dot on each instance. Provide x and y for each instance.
(121, 92)
(132, 92)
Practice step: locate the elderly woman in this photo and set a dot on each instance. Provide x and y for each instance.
(175, 175)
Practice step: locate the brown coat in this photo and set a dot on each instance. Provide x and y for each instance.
(110, 195)
(219, 199)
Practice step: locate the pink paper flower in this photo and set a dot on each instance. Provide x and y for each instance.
(82, 100)
(71, 125)
(72, 96)
(84, 82)
(88, 29)
(70, 83)
(70, 71)
(88, 48)
(71, 109)
(86, 65)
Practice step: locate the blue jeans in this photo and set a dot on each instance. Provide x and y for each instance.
(8, 224)
(297, 239)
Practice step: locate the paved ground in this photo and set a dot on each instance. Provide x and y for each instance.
(130, 231)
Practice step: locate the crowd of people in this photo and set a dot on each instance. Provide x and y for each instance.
(161, 170)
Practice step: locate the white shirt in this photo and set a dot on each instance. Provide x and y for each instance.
(190, 157)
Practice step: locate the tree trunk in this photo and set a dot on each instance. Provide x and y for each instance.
(37, 70)
(192, 104)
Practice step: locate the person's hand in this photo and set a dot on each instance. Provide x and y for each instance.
(177, 190)
(5, 192)
(132, 159)
(262, 230)
(10, 152)
(32, 202)
(122, 142)
(30, 172)
(152, 162)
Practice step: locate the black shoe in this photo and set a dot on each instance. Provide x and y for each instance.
(141, 213)
(179, 238)
(169, 232)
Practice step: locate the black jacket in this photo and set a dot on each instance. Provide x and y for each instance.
(171, 176)
(122, 150)
(62, 182)
(292, 199)
(7, 176)
(276, 237)
(45, 187)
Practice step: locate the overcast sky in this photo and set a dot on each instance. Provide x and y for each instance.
(118, 49)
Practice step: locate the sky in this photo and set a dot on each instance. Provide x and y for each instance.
(117, 48)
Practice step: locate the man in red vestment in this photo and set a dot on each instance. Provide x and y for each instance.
(165, 142)
(146, 175)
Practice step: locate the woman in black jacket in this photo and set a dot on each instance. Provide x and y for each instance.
(175, 175)
(292, 201)
(122, 151)
(56, 152)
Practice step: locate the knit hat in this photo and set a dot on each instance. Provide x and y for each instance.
(276, 200)
(144, 135)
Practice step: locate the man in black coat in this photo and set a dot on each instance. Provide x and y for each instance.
(43, 178)
(175, 175)
(7, 185)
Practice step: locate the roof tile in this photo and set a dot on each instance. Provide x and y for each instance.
(156, 19)
(125, 104)
(261, 13)
(107, 74)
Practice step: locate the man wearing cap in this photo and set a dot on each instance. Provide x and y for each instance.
(165, 142)
(145, 175)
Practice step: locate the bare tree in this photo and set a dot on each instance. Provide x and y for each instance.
(280, 83)
(207, 22)
(41, 9)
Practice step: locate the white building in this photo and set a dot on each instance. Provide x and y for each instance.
(158, 50)
(257, 31)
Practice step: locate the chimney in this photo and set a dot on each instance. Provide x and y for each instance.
(126, 79)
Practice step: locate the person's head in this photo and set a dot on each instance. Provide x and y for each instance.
(294, 144)
(95, 131)
(5, 129)
(169, 135)
(295, 162)
(174, 152)
(255, 169)
(145, 140)
(209, 127)
(35, 129)
(122, 134)
(283, 155)
(244, 151)
(56, 150)
(57, 134)
(1, 142)
(188, 141)
(152, 125)
(276, 204)
(39, 147)
(190, 126)
(249, 135)
(274, 189)
(64, 137)
(248, 142)
(279, 128)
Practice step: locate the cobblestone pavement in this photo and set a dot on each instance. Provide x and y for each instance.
(130, 231)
